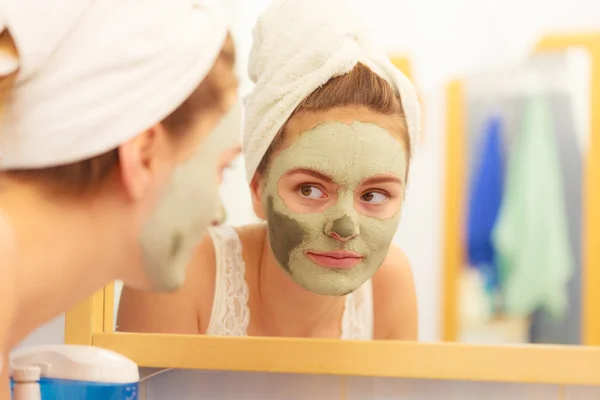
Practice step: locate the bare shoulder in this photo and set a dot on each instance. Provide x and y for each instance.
(394, 298)
(202, 272)
(183, 311)
(395, 270)
(188, 310)
(251, 235)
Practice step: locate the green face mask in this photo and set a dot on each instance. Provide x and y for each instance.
(179, 221)
(187, 207)
(348, 154)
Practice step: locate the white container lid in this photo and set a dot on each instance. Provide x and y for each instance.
(81, 363)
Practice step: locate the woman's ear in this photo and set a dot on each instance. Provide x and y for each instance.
(144, 160)
(256, 188)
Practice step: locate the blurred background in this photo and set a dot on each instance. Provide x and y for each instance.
(500, 201)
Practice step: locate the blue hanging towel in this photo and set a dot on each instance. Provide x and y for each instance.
(485, 198)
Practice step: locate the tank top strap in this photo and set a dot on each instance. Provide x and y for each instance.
(357, 320)
(230, 314)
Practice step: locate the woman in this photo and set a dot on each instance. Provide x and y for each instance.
(101, 141)
(327, 166)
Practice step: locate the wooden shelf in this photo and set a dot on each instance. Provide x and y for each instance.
(445, 361)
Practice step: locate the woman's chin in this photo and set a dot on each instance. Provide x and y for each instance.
(330, 284)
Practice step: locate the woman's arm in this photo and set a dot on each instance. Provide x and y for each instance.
(4, 379)
(7, 300)
(8, 264)
(6, 319)
(177, 312)
(395, 299)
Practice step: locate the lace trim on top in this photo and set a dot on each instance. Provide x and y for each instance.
(230, 315)
(357, 320)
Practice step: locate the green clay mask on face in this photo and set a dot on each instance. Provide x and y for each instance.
(178, 223)
(188, 205)
(348, 154)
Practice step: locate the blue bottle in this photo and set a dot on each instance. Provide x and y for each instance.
(78, 372)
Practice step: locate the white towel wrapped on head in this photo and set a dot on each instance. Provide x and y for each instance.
(96, 73)
(38, 27)
(299, 46)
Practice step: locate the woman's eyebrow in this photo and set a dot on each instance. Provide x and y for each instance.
(313, 173)
(382, 179)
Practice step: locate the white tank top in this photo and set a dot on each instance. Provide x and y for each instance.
(230, 313)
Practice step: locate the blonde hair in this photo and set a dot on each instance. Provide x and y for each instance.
(83, 176)
(359, 87)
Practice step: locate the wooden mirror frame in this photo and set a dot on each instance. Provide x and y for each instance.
(92, 321)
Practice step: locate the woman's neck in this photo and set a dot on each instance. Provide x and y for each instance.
(62, 255)
(289, 310)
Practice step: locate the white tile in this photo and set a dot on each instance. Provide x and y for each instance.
(582, 393)
(215, 385)
(358, 388)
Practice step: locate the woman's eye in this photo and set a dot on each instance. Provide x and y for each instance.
(311, 192)
(374, 198)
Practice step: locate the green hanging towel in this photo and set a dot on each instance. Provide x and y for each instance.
(535, 258)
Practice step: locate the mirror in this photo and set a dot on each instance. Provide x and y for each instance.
(504, 262)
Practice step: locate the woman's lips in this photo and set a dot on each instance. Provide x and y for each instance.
(335, 259)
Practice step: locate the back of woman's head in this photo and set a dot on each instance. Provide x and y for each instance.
(208, 102)
(82, 93)
(359, 88)
(114, 123)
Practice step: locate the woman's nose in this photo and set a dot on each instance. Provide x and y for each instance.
(343, 229)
